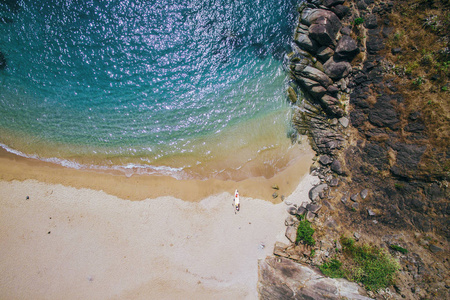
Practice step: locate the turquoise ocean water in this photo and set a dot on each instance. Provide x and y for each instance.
(183, 88)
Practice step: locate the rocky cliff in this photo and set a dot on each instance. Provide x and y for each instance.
(369, 83)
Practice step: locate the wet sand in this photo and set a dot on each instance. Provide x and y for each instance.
(140, 187)
(80, 235)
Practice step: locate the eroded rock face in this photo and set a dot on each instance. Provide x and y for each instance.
(281, 278)
(316, 75)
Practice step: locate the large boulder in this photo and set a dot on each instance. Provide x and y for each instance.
(316, 75)
(346, 48)
(306, 43)
(371, 21)
(324, 53)
(340, 10)
(317, 92)
(337, 69)
(310, 16)
(315, 191)
(322, 33)
(281, 278)
(323, 25)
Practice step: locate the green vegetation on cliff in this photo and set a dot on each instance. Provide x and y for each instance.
(305, 233)
(369, 265)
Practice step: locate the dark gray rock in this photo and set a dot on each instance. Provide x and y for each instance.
(323, 33)
(346, 48)
(384, 114)
(435, 249)
(307, 83)
(314, 192)
(355, 205)
(337, 167)
(325, 160)
(330, 3)
(408, 158)
(357, 118)
(317, 92)
(337, 69)
(324, 53)
(346, 30)
(314, 208)
(311, 16)
(370, 21)
(415, 127)
(396, 50)
(374, 44)
(376, 155)
(361, 5)
(340, 10)
(305, 42)
(333, 90)
(324, 25)
(316, 75)
(327, 142)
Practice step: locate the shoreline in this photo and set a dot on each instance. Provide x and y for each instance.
(140, 187)
(81, 243)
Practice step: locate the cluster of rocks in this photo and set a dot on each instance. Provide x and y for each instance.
(320, 66)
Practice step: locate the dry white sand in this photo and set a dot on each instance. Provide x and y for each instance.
(67, 243)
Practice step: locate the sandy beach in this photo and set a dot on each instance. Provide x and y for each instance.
(77, 243)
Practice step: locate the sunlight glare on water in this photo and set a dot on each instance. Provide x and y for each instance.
(142, 83)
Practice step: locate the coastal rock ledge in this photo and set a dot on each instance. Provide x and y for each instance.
(281, 278)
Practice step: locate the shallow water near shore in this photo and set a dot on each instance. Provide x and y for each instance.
(191, 89)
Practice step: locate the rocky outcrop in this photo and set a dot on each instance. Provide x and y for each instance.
(281, 278)
(372, 153)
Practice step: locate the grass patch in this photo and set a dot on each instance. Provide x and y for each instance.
(358, 21)
(332, 269)
(399, 249)
(369, 265)
(305, 233)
